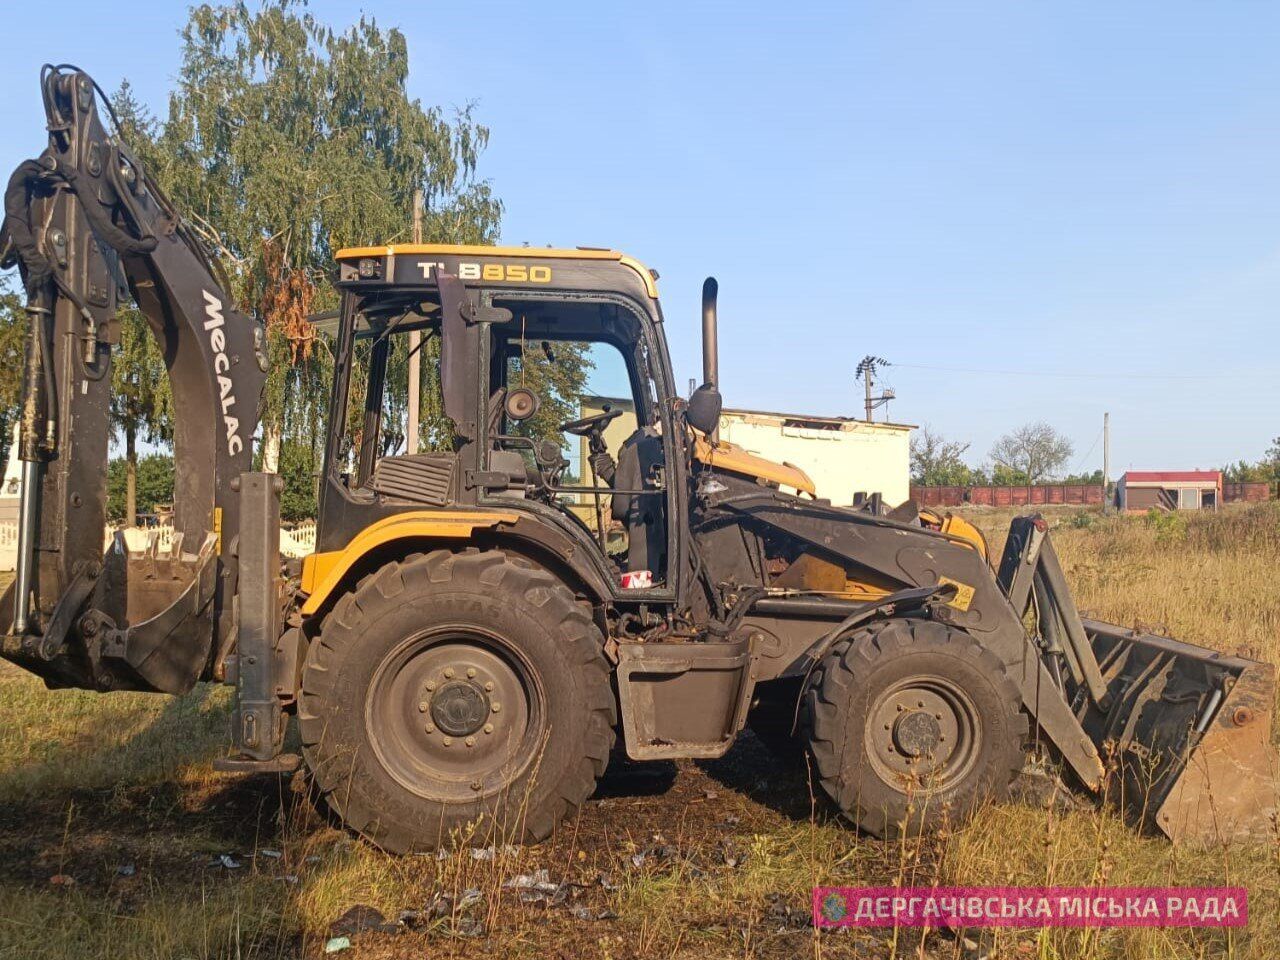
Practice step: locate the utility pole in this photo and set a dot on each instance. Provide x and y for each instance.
(866, 373)
(1106, 463)
(415, 343)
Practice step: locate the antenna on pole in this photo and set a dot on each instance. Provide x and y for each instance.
(866, 373)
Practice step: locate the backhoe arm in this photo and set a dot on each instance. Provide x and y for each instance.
(87, 227)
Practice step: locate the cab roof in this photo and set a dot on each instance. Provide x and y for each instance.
(482, 250)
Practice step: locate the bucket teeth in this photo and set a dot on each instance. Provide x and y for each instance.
(1188, 734)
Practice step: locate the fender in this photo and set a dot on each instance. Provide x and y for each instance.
(322, 572)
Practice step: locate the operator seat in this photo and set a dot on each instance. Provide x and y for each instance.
(643, 514)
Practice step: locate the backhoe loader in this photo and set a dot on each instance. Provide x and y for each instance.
(479, 621)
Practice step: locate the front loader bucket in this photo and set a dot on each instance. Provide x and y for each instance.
(1184, 732)
(1187, 735)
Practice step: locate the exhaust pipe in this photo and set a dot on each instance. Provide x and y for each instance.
(710, 343)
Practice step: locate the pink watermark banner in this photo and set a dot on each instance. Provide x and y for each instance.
(1030, 906)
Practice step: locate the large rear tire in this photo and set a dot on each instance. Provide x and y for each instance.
(456, 689)
(910, 724)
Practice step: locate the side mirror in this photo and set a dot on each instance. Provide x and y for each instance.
(703, 410)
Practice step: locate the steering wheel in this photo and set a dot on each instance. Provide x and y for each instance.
(593, 424)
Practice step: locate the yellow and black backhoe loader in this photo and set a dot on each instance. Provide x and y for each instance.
(478, 623)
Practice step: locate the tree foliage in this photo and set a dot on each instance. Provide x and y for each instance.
(1266, 470)
(287, 140)
(154, 485)
(937, 461)
(13, 328)
(1030, 454)
(141, 400)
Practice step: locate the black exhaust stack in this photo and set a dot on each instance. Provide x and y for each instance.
(710, 343)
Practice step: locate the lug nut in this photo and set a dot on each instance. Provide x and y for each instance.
(448, 671)
(423, 706)
(431, 684)
(497, 708)
(476, 785)
(431, 728)
(471, 741)
(488, 728)
(471, 671)
(448, 741)
(489, 686)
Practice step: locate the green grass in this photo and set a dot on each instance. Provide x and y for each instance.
(90, 783)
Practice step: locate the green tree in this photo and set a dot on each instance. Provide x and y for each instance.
(154, 485)
(13, 328)
(141, 401)
(937, 461)
(287, 140)
(299, 471)
(1090, 479)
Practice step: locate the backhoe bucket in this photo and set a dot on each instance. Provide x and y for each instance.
(1184, 731)
(1187, 735)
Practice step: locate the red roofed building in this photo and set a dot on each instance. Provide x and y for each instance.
(1141, 490)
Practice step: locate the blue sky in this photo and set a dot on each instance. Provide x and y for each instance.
(1060, 208)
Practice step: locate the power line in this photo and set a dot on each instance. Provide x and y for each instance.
(1080, 462)
(1065, 376)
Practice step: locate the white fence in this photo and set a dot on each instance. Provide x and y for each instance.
(296, 541)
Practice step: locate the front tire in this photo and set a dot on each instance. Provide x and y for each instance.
(456, 689)
(912, 723)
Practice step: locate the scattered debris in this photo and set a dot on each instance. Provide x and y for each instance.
(225, 860)
(785, 916)
(606, 882)
(659, 849)
(492, 853)
(126, 870)
(63, 880)
(529, 881)
(730, 855)
(446, 905)
(709, 794)
(469, 927)
(732, 820)
(538, 888)
(272, 854)
(337, 945)
(359, 918)
(587, 913)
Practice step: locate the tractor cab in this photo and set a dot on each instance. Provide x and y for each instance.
(525, 380)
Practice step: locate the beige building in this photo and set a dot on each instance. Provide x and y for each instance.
(843, 457)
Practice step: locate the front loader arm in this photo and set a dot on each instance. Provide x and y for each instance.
(87, 228)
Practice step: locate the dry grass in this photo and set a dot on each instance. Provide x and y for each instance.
(90, 784)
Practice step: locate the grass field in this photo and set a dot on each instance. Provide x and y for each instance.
(118, 841)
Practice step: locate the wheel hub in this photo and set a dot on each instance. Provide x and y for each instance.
(454, 714)
(917, 733)
(460, 708)
(922, 731)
